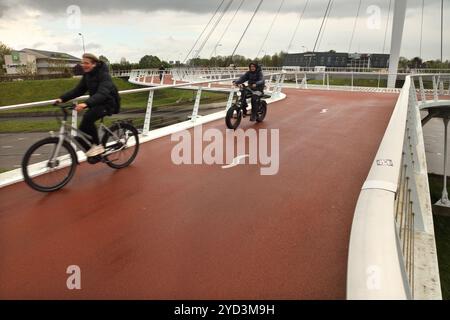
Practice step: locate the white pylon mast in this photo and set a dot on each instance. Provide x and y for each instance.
(396, 40)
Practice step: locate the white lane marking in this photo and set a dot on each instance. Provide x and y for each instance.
(324, 111)
(235, 162)
(7, 147)
(20, 139)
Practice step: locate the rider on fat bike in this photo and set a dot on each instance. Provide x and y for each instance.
(256, 82)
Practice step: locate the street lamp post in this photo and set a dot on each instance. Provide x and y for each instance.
(215, 48)
(215, 53)
(82, 38)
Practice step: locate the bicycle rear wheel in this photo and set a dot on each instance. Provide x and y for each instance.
(261, 114)
(43, 174)
(121, 152)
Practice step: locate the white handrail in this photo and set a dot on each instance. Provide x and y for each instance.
(392, 224)
(374, 268)
(123, 92)
(198, 85)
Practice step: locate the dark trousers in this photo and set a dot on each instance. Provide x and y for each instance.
(255, 103)
(88, 123)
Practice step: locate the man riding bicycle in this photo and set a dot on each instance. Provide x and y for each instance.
(256, 82)
(104, 98)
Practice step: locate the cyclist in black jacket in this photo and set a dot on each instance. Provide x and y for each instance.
(256, 82)
(104, 98)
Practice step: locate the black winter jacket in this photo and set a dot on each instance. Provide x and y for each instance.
(253, 78)
(100, 86)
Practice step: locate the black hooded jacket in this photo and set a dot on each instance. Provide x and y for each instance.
(101, 88)
(253, 77)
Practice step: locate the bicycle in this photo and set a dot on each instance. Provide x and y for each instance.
(239, 109)
(55, 156)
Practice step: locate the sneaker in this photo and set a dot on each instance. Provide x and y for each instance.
(95, 150)
(253, 117)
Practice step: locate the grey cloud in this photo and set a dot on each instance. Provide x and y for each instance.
(73, 47)
(39, 44)
(316, 8)
(3, 8)
(93, 46)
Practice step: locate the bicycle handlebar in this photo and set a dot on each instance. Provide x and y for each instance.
(64, 107)
(244, 87)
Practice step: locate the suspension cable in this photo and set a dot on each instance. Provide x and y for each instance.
(227, 7)
(442, 31)
(226, 29)
(321, 26)
(248, 25)
(354, 26)
(296, 28)
(421, 29)
(270, 28)
(201, 34)
(325, 25)
(387, 25)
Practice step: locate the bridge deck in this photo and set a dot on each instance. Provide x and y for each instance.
(160, 231)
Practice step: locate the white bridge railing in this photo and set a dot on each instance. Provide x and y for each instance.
(392, 253)
(201, 86)
(300, 80)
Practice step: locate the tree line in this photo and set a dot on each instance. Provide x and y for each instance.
(418, 63)
(152, 62)
(275, 60)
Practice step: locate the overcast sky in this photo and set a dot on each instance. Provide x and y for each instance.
(169, 28)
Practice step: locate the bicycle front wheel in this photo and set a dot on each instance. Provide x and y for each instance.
(122, 147)
(233, 117)
(44, 173)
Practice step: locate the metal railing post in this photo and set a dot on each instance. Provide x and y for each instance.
(435, 93)
(270, 82)
(352, 81)
(196, 105)
(277, 85)
(423, 97)
(444, 198)
(280, 84)
(148, 113)
(230, 99)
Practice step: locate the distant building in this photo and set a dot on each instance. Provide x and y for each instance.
(40, 62)
(337, 60)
